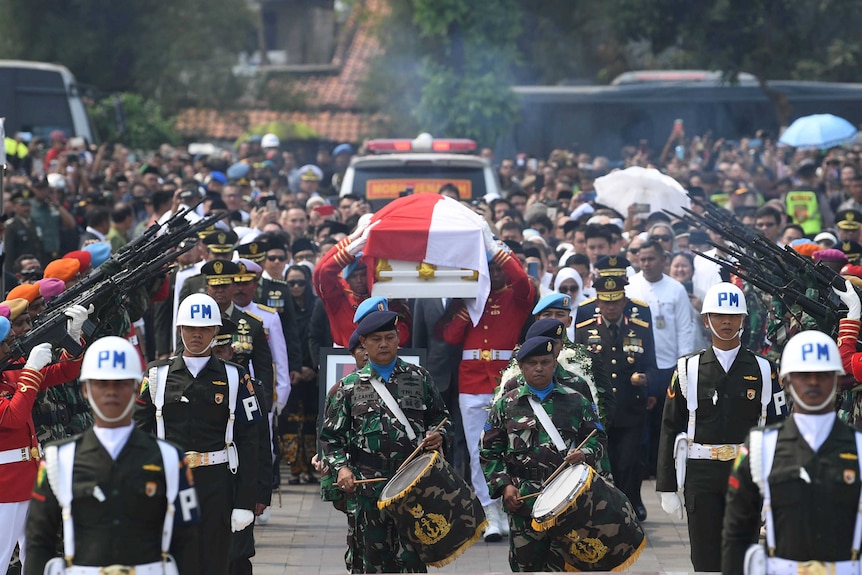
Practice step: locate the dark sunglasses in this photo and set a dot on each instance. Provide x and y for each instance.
(634, 251)
(296, 283)
(569, 290)
(276, 258)
(661, 238)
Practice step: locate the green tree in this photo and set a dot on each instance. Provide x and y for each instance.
(144, 125)
(771, 39)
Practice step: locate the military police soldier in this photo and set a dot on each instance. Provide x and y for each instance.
(804, 472)
(625, 344)
(364, 436)
(530, 431)
(123, 498)
(208, 407)
(716, 395)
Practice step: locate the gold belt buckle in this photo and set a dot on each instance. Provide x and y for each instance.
(724, 452)
(485, 354)
(811, 568)
(34, 453)
(193, 459)
(117, 570)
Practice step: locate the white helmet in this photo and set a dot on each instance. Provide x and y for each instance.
(198, 310)
(724, 298)
(269, 141)
(812, 351)
(111, 358)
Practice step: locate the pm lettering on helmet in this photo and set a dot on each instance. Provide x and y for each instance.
(202, 311)
(108, 358)
(815, 351)
(730, 299)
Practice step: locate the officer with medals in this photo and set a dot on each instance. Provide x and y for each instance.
(615, 266)
(625, 344)
(123, 499)
(804, 473)
(363, 437)
(716, 395)
(207, 406)
(519, 451)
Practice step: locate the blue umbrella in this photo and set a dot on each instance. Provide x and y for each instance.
(818, 131)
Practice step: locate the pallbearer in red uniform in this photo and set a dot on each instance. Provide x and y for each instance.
(487, 350)
(341, 281)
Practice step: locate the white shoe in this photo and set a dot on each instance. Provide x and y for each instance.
(263, 518)
(502, 518)
(492, 531)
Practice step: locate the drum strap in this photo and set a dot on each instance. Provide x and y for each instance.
(390, 402)
(546, 422)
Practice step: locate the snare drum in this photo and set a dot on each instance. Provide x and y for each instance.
(433, 509)
(592, 520)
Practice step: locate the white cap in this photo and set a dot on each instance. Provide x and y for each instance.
(828, 236)
(810, 351)
(111, 358)
(198, 310)
(57, 181)
(269, 141)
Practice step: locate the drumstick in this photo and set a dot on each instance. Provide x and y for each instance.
(564, 464)
(373, 480)
(419, 447)
(528, 496)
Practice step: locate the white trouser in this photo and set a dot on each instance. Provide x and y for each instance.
(474, 414)
(13, 519)
(156, 568)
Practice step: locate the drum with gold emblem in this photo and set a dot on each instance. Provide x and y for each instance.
(433, 508)
(593, 520)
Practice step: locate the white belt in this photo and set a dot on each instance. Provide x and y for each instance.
(19, 454)
(198, 459)
(156, 568)
(778, 566)
(487, 354)
(714, 452)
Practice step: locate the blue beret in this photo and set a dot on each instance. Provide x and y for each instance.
(536, 346)
(553, 301)
(218, 177)
(370, 305)
(238, 171)
(99, 253)
(377, 321)
(343, 149)
(353, 266)
(547, 327)
(352, 344)
(5, 328)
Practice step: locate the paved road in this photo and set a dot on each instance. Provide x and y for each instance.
(306, 536)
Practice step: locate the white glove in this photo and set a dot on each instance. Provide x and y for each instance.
(491, 245)
(850, 299)
(277, 408)
(39, 357)
(240, 519)
(77, 315)
(355, 246)
(671, 504)
(363, 222)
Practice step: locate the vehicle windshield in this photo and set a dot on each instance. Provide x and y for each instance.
(382, 184)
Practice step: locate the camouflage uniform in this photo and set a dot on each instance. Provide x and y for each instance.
(360, 432)
(516, 450)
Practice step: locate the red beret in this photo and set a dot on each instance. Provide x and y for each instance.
(84, 258)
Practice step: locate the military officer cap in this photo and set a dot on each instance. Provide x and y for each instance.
(310, 173)
(220, 272)
(536, 346)
(353, 343)
(368, 306)
(377, 321)
(220, 241)
(254, 251)
(612, 266)
(21, 196)
(848, 219)
(553, 301)
(225, 332)
(547, 327)
(248, 270)
(611, 288)
(853, 250)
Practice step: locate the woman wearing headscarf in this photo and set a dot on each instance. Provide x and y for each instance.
(569, 282)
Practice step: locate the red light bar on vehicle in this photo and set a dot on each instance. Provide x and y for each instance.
(423, 143)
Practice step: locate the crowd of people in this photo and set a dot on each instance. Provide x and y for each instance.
(606, 341)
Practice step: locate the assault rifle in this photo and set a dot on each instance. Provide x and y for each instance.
(139, 267)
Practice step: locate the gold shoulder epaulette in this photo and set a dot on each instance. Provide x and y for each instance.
(585, 322)
(258, 318)
(587, 301)
(266, 308)
(639, 321)
(639, 302)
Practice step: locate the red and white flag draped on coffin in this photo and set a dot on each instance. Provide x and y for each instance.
(434, 229)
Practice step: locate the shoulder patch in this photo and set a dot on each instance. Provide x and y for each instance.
(585, 322)
(262, 307)
(639, 321)
(587, 302)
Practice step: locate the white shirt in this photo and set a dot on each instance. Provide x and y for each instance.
(726, 357)
(672, 324)
(814, 428)
(113, 439)
(102, 237)
(706, 273)
(278, 347)
(195, 364)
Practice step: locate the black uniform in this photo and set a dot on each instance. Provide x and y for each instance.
(275, 294)
(728, 406)
(118, 508)
(195, 415)
(631, 350)
(813, 518)
(252, 352)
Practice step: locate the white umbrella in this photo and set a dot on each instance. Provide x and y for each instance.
(636, 185)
